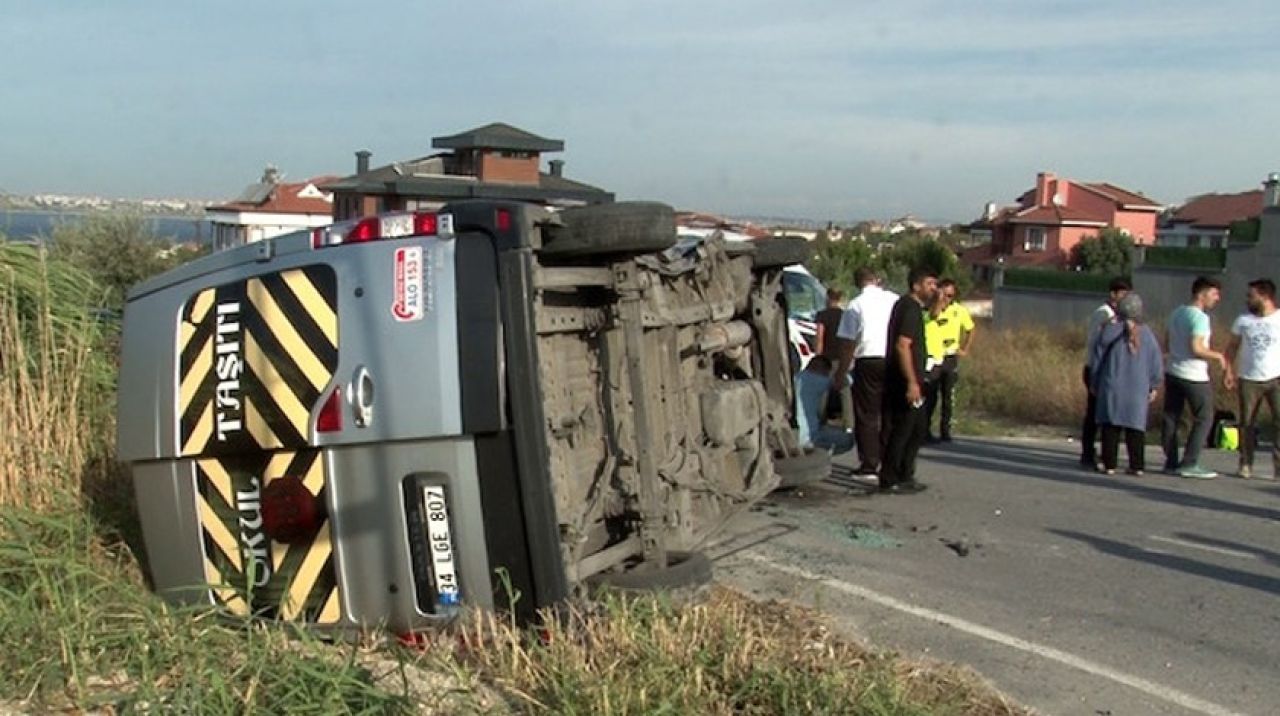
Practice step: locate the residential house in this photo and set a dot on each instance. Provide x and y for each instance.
(1054, 216)
(496, 161)
(270, 208)
(1205, 220)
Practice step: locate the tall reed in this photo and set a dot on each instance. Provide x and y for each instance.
(56, 379)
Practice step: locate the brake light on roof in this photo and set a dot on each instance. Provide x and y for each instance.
(394, 225)
(426, 224)
(364, 230)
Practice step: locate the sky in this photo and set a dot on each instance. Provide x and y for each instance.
(816, 109)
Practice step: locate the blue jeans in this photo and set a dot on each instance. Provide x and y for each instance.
(834, 439)
(1179, 393)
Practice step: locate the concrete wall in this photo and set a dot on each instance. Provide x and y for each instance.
(1164, 289)
(1016, 307)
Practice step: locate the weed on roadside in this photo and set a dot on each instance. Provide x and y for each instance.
(82, 631)
(727, 655)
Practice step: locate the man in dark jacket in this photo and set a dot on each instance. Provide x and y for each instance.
(904, 391)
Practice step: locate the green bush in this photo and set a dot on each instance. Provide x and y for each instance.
(1050, 279)
(1110, 253)
(1192, 258)
(118, 251)
(1245, 231)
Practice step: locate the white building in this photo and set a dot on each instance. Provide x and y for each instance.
(270, 208)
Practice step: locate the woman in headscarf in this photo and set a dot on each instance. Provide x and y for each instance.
(1127, 369)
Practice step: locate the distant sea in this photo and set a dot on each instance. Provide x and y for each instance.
(34, 224)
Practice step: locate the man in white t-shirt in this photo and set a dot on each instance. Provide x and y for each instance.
(864, 334)
(1186, 380)
(1253, 361)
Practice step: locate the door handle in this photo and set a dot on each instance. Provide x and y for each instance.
(362, 397)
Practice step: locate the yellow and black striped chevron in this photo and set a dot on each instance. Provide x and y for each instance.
(246, 571)
(254, 358)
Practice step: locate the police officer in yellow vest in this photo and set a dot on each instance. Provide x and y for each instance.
(948, 334)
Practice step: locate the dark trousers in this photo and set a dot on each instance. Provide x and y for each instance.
(1253, 395)
(905, 428)
(1135, 442)
(1177, 394)
(868, 395)
(943, 390)
(1089, 431)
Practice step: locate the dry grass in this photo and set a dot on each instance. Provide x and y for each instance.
(1031, 377)
(1028, 375)
(726, 655)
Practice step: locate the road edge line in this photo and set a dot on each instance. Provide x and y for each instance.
(1150, 688)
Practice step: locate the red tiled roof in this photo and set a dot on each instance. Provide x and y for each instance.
(978, 255)
(1219, 210)
(1118, 194)
(1053, 215)
(284, 199)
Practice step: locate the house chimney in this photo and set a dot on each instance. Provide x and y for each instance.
(1271, 191)
(362, 161)
(557, 167)
(1044, 188)
(989, 211)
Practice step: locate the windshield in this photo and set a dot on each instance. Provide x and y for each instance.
(805, 295)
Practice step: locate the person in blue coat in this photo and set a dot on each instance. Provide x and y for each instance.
(1126, 369)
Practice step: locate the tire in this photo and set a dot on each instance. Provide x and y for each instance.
(813, 466)
(630, 227)
(684, 569)
(781, 251)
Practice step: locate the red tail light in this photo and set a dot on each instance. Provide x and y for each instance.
(503, 220)
(364, 230)
(330, 418)
(290, 513)
(425, 224)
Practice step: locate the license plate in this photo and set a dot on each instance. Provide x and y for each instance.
(440, 544)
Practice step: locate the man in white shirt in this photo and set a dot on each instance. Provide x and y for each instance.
(864, 334)
(1253, 367)
(1101, 316)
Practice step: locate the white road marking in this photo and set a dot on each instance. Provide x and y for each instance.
(1150, 688)
(1205, 547)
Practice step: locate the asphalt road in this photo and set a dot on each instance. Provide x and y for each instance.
(1072, 592)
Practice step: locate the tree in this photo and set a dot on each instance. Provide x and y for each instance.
(1109, 253)
(835, 262)
(117, 251)
(920, 251)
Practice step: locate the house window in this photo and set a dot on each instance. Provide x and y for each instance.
(1193, 241)
(1035, 240)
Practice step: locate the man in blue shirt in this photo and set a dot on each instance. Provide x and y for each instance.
(1187, 381)
(812, 387)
